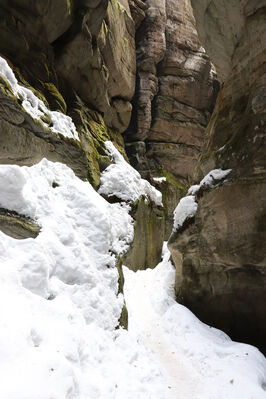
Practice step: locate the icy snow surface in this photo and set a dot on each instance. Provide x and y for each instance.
(61, 123)
(200, 362)
(123, 181)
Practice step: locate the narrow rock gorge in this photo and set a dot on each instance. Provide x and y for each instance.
(126, 124)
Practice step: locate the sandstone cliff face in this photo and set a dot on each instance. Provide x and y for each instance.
(174, 97)
(220, 255)
(79, 58)
(73, 44)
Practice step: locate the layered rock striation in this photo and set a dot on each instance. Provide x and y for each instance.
(220, 254)
(175, 94)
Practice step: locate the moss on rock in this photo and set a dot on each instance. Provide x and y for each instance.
(145, 251)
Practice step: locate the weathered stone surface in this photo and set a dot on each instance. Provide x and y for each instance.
(24, 141)
(175, 94)
(220, 257)
(137, 8)
(150, 47)
(146, 248)
(70, 44)
(17, 226)
(100, 71)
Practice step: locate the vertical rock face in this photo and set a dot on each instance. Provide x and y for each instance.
(220, 256)
(66, 51)
(101, 71)
(72, 45)
(149, 223)
(175, 94)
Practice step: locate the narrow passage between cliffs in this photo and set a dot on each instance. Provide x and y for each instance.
(197, 361)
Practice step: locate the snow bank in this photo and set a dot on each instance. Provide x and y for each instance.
(36, 108)
(58, 294)
(123, 181)
(201, 362)
(186, 209)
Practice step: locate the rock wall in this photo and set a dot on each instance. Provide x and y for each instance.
(71, 47)
(175, 94)
(220, 254)
(79, 58)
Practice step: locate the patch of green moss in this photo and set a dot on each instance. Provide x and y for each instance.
(6, 87)
(17, 226)
(69, 6)
(170, 178)
(54, 97)
(104, 30)
(94, 133)
(117, 5)
(123, 320)
(105, 71)
(40, 95)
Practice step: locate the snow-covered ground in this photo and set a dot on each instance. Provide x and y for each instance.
(199, 362)
(59, 306)
(58, 294)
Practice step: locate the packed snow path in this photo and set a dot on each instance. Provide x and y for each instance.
(179, 378)
(198, 362)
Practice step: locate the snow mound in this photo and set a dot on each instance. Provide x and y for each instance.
(58, 294)
(123, 181)
(186, 209)
(201, 362)
(36, 108)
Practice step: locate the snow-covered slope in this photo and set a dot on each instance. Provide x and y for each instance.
(200, 362)
(59, 307)
(58, 293)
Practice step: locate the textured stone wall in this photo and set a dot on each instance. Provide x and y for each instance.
(79, 58)
(175, 94)
(220, 256)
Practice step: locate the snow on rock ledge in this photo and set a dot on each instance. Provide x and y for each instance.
(36, 108)
(186, 209)
(123, 181)
(213, 178)
(187, 206)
